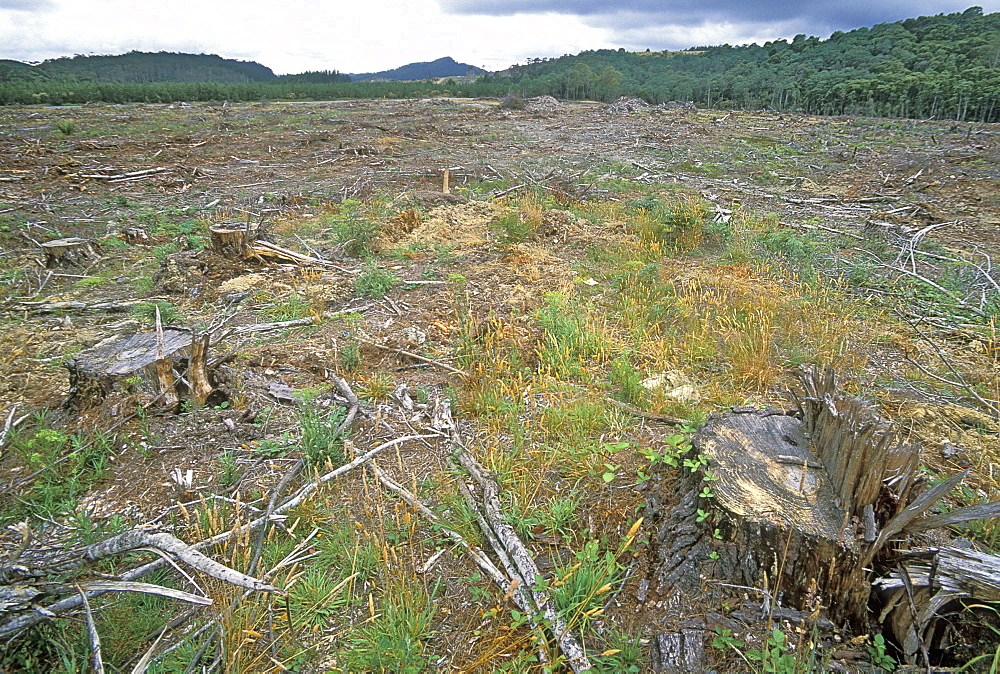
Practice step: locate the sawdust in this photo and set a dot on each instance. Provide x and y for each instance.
(242, 283)
(464, 226)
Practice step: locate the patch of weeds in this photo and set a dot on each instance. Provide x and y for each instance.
(230, 469)
(518, 226)
(322, 443)
(569, 340)
(623, 654)
(274, 448)
(67, 465)
(559, 514)
(394, 641)
(124, 621)
(377, 387)
(66, 128)
(354, 227)
(143, 284)
(344, 547)
(680, 224)
(350, 354)
(91, 282)
(169, 313)
(627, 382)
(47, 647)
(575, 421)
(161, 252)
(318, 596)
(288, 307)
(580, 590)
(375, 283)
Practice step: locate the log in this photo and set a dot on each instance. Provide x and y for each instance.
(69, 252)
(171, 363)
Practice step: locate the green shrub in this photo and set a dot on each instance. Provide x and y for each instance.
(375, 283)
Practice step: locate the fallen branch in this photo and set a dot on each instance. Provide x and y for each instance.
(635, 411)
(423, 359)
(95, 639)
(507, 544)
(138, 538)
(53, 307)
(280, 325)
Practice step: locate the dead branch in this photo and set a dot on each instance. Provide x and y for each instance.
(423, 359)
(527, 570)
(95, 639)
(636, 412)
(26, 579)
(281, 325)
(138, 538)
(43, 307)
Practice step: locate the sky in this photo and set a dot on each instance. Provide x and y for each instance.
(356, 36)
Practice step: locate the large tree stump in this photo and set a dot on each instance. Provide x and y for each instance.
(72, 251)
(170, 363)
(798, 498)
(807, 509)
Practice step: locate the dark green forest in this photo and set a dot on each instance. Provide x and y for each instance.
(944, 67)
(139, 67)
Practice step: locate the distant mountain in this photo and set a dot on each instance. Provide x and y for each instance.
(443, 67)
(141, 67)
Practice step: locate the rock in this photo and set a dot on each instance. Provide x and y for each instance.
(674, 385)
(414, 335)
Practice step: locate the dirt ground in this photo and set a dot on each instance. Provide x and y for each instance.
(142, 167)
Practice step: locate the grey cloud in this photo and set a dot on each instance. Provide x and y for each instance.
(26, 5)
(816, 18)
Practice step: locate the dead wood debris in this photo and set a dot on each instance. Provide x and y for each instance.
(31, 560)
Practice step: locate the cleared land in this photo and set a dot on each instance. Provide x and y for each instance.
(676, 261)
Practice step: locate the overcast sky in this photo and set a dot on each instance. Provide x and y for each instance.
(291, 36)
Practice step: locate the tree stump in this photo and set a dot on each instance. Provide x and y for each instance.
(72, 251)
(135, 235)
(171, 363)
(233, 239)
(797, 499)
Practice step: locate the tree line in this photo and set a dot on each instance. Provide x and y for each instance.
(70, 92)
(943, 66)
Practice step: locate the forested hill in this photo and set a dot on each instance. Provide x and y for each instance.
(442, 67)
(943, 66)
(141, 67)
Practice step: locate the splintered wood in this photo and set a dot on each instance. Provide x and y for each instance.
(807, 507)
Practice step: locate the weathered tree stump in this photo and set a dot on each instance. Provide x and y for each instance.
(790, 494)
(135, 235)
(72, 251)
(802, 510)
(183, 272)
(171, 363)
(233, 239)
